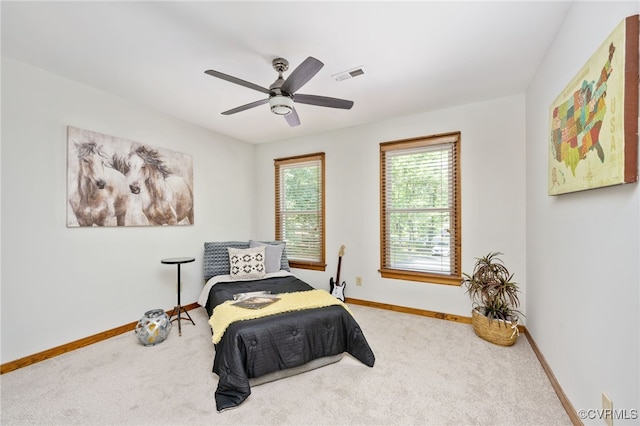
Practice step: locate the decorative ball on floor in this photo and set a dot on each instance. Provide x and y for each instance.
(153, 327)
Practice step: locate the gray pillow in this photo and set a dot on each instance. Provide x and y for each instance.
(284, 261)
(273, 255)
(216, 257)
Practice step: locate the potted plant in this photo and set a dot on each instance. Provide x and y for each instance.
(495, 300)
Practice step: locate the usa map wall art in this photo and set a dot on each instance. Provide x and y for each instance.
(594, 121)
(115, 182)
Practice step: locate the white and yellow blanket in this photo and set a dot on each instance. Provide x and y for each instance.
(227, 313)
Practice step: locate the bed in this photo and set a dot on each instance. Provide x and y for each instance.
(305, 328)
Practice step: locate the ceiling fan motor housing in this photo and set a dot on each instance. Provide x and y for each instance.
(281, 104)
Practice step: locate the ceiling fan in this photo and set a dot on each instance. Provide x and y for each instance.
(282, 93)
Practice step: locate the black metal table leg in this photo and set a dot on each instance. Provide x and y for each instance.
(178, 308)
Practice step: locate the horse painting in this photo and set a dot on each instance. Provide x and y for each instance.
(101, 196)
(166, 199)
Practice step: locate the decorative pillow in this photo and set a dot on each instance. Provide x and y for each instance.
(216, 257)
(247, 264)
(284, 261)
(272, 254)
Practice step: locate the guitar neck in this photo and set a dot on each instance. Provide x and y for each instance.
(338, 273)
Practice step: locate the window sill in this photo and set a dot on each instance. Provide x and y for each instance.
(307, 265)
(420, 276)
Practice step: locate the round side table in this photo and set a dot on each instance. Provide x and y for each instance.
(178, 309)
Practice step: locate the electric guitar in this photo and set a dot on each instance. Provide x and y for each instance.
(337, 289)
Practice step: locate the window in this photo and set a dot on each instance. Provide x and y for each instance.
(300, 209)
(420, 209)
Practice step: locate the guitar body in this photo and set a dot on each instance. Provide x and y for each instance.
(337, 289)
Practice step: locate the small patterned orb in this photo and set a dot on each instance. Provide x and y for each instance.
(153, 327)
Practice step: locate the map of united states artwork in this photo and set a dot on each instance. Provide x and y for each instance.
(594, 120)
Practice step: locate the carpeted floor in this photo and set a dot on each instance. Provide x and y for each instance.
(427, 372)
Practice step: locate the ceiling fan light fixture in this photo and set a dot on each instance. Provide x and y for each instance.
(281, 105)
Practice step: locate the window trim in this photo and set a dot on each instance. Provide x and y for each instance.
(455, 277)
(318, 156)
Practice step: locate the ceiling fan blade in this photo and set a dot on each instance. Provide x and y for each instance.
(301, 75)
(323, 101)
(246, 107)
(293, 118)
(237, 80)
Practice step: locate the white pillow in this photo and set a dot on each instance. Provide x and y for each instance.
(246, 264)
(273, 255)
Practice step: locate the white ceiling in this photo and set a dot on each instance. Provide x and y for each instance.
(416, 56)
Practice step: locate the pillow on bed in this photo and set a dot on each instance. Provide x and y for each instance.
(284, 261)
(216, 257)
(246, 264)
(272, 254)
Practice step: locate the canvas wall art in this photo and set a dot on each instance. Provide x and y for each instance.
(115, 182)
(594, 120)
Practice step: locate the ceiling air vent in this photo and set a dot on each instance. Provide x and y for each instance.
(354, 72)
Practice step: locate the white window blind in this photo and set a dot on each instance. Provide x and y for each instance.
(300, 208)
(420, 229)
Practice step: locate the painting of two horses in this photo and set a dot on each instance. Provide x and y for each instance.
(115, 182)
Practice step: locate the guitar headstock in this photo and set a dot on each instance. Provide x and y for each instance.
(341, 251)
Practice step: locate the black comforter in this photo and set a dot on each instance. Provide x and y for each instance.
(260, 346)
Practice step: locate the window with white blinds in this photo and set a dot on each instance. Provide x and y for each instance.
(420, 209)
(300, 209)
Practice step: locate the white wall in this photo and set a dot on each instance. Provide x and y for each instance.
(61, 284)
(493, 199)
(583, 249)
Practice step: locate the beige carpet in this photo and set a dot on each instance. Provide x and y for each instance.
(427, 372)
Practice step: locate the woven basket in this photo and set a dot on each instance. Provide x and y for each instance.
(503, 333)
